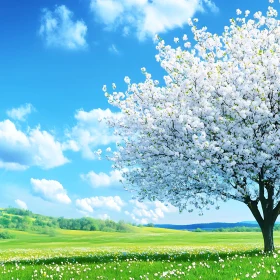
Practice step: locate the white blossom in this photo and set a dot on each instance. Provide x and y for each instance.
(238, 12)
(213, 130)
(126, 80)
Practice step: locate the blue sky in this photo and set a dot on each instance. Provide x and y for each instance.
(55, 58)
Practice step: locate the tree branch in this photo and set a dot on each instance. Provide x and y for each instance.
(261, 191)
(276, 212)
(253, 206)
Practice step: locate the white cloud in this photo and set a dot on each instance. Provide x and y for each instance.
(84, 204)
(142, 213)
(104, 217)
(108, 10)
(50, 190)
(148, 18)
(59, 30)
(21, 112)
(19, 150)
(126, 31)
(113, 49)
(97, 202)
(13, 166)
(91, 131)
(101, 179)
(84, 213)
(134, 218)
(47, 151)
(212, 6)
(70, 145)
(165, 207)
(21, 204)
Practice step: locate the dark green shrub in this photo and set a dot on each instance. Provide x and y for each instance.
(199, 230)
(7, 235)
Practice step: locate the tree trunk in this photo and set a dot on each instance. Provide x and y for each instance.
(267, 232)
(266, 224)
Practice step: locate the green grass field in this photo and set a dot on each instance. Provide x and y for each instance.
(144, 253)
(138, 237)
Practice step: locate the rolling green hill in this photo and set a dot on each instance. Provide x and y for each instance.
(126, 255)
(137, 237)
(25, 220)
(142, 251)
(33, 231)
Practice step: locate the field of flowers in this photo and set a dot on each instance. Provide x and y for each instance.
(147, 253)
(137, 263)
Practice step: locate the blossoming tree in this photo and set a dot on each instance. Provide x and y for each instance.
(212, 132)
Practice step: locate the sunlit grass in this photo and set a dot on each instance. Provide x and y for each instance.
(136, 263)
(146, 253)
(139, 237)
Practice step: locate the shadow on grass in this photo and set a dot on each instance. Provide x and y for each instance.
(143, 256)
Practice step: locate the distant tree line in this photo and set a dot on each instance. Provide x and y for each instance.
(24, 220)
(236, 229)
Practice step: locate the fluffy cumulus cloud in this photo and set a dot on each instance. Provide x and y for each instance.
(50, 190)
(21, 112)
(20, 150)
(104, 217)
(90, 131)
(100, 202)
(144, 212)
(21, 204)
(101, 179)
(147, 17)
(58, 29)
(211, 6)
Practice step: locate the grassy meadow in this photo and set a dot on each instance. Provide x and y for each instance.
(143, 253)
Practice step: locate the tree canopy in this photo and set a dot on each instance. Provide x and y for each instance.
(212, 132)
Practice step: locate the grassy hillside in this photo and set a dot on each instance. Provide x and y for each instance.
(151, 253)
(138, 237)
(25, 220)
